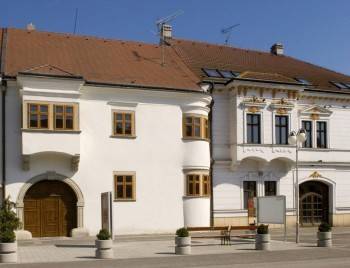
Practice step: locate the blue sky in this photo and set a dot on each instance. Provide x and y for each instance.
(317, 31)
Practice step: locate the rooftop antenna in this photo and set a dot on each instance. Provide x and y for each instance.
(160, 24)
(227, 31)
(75, 20)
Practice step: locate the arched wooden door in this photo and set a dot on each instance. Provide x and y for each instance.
(50, 209)
(314, 203)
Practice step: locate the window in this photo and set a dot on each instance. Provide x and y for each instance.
(123, 124)
(198, 185)
(321, 130)
(124, 187)
(281, 129)
(212, 73)
(196, 127)
(339, 85)
(303, 81)
(38, 116)
(249, 192)
(227, 74)
(307, 126)
(270, 188)
(253, 128)
(64, 117)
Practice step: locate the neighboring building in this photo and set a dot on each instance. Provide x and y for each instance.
(85, 116)
(258, 99)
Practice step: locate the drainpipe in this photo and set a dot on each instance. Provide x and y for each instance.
(3, 137)
(212, 161)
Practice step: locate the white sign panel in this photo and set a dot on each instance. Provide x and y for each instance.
(271, 209)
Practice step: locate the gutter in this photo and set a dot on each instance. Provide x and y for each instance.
(3, 137)
(212, 161)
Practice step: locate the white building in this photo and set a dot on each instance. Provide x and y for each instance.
(258, 99)
(85, 116)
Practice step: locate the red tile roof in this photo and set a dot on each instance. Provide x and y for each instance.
(198, 55)
(96, 60)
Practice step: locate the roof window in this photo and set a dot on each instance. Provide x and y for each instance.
(227, 74)
(303, 81)
(212, 73)
(340, 85)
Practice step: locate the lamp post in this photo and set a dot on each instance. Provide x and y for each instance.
(297, 138)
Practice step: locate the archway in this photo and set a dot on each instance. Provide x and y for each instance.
(314, 203)
(61, 194)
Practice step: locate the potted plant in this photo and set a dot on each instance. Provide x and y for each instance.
(324, 235)
(104, 245)
(262, 239)
(182, 242)
(9, 222)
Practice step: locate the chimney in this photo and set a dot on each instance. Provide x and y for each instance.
(166, 31)
(30, 27)
(277, 49)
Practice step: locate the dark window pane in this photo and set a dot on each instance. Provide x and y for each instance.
(128, 117)
(119, 178)
(59, 121)
(197, 131)
(69, 122)
(197, 188)
(33, 120)
(128, 191)
(119, 191)
(119, 128)
(127, 128)
(307, 126)
(44, 108)
(44, 122)
(281, 129)
(33, 108)
(249, 190)
(270, 188)
(59, 109)
(188, 130)
(253, 128)
(69, 109)
(119, 117)
(128, 179)
(189, 120)
(321, 135)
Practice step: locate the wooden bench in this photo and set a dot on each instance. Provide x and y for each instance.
(225, 232)
(224, 235)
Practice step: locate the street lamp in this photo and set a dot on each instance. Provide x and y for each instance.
(297, 138)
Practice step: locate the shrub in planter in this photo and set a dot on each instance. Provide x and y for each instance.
(9, 222)
(182, 242)
(262, 239)
(324, 235)
(104, 245)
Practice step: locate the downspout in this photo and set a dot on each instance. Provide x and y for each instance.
(3, 137)
(210, 115)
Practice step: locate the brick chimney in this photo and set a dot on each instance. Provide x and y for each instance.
(277, 49)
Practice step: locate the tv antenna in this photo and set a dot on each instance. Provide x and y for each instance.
(160, 23)
(227, 31)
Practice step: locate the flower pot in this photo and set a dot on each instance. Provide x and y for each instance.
(8, 252)
(262, 242)
(104, 249)
(182, 245)
(324, 239)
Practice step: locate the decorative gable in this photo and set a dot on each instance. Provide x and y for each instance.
(316, 111)
(49, 70)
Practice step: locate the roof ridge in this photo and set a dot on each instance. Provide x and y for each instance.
(86, 36)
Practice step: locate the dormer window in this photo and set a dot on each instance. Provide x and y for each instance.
(341, 85)
(212, 73)
(303, 81)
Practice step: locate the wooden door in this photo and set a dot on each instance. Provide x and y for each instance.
(50, 209)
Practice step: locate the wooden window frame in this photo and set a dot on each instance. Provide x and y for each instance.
(203, 125)
(64, 116)
(39, 114)
(202, 180)
(124, 184)
(114, 123)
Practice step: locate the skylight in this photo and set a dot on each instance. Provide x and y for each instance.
(303, 81)
(228, 74)
(212, 73)
(340, 85)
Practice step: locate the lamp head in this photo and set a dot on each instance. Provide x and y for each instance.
(292, 139)
(302, 135)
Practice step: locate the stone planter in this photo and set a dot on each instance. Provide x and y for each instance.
(183, 245)
(324, 239)
(104, 249)
(262, 242)
(8, 252)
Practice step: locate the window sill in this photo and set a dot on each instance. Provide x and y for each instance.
(123, 137)
(124, 200)
(195, 139)
(195, 196)
(42, 130)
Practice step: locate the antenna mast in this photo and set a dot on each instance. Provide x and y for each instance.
(160, 24)
(75, 20)
(227, 31)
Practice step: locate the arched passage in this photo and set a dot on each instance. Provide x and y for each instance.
(50, 204)
(314, 203)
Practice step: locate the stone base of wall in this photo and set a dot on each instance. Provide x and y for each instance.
(335, 220)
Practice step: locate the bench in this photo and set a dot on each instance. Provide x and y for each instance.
(224, 235)
(225, 232)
